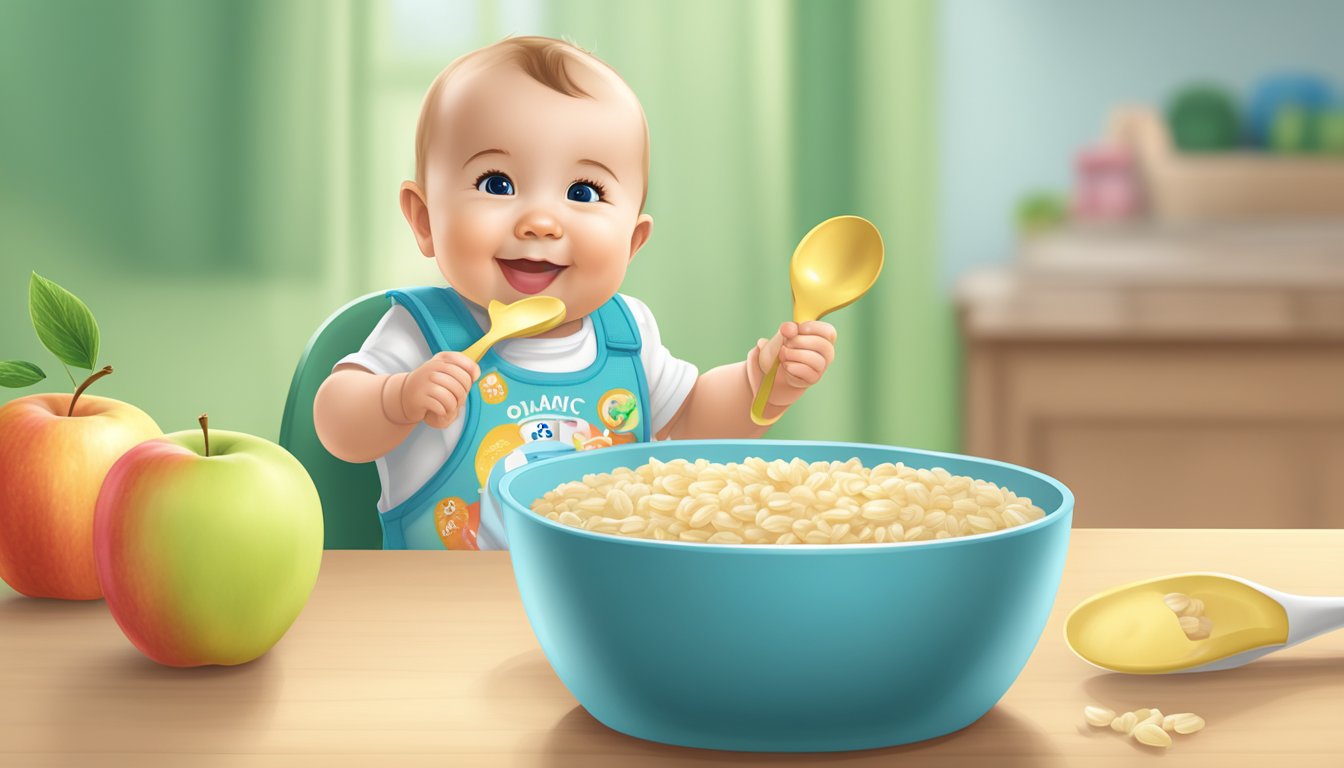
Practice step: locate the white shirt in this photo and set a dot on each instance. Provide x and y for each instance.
(396, 345)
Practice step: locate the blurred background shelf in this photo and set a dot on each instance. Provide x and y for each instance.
(1226, 185)
(1173, 377)
(1301, 252)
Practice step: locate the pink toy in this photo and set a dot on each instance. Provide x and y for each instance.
(1107, 183)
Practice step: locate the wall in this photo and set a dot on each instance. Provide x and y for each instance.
(1023, 84)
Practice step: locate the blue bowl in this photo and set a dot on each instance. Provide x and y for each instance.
(799, 648)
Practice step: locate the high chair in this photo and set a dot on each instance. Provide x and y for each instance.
(349, 492)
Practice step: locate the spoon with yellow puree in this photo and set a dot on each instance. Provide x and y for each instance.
(1130, 628)
(833, 265)
(525, 317)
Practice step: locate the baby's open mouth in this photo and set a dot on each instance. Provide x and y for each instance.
(527, 276)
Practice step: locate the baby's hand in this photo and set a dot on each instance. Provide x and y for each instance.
(436, 391)
(804, 350)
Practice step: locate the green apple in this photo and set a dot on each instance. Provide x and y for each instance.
(55, 450)
(207, 545)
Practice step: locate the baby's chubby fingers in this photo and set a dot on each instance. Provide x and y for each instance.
(446, 377)
(769, 349)
(803, 351)
(443, 401)
(801, 367)
(448, 389)
(438, 421)
(807, 349)
(448, 362)
(434, 409)
(437, 390)
(455, 380)
(816, 328)
(822, 342)
(809, 328)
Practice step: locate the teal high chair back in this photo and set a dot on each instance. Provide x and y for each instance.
(349, 492)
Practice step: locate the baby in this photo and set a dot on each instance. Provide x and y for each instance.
(532, 160)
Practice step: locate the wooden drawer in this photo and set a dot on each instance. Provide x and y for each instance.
(1157, 434)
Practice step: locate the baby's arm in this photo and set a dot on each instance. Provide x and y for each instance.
(719, 405)
(360, 416)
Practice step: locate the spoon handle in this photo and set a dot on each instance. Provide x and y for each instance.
(758, 416)
(477, 351)
(1311, 615)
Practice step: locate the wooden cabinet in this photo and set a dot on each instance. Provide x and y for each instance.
(1164, 396)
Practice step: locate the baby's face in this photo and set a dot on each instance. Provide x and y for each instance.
(532, 192)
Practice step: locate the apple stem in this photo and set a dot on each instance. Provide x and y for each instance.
(205, 429)
(100, 374)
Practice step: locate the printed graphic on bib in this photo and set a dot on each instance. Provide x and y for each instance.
(494, 388)
(456, 522)
(497, 443)
(571, 431)
(554, 418)
(619, 410)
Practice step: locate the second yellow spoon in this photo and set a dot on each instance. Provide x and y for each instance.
(833, 265)
(525, 317)
(1130, 628)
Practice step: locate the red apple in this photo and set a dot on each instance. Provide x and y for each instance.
(207, 546)
(51, 468)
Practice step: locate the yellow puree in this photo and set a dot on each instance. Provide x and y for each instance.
(1130, 629)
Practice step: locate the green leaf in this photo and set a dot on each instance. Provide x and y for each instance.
(63, 323)
(17, 373)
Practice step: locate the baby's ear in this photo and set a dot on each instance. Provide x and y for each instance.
(643, 230)
(415, 210)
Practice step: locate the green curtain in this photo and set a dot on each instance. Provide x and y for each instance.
(766, 118)
(175, 165)
(214, 177)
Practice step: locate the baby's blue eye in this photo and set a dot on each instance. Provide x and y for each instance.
(496, 184)
(583, 193)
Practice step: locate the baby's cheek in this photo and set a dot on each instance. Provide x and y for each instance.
(601, 257)
(474, 230)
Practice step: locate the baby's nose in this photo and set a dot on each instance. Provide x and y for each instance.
(538, 223)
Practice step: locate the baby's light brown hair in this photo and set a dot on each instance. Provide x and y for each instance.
(544, 59)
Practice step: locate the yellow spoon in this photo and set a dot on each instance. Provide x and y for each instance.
(833, 265)
(1130, 628)
(525, 317)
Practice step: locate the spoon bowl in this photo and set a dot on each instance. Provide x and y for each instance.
(525, 317)
(833, 265)
(1130, 629)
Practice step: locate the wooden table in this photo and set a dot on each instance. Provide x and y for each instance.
(419, 658)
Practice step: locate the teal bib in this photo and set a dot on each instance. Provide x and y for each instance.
(507, 407)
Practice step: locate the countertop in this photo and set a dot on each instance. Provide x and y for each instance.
(426, 658)
(1245, 280)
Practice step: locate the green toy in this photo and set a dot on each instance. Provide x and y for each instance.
(1040, 212)
(1290, 130)
(1330, 131)
(1203, 118)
